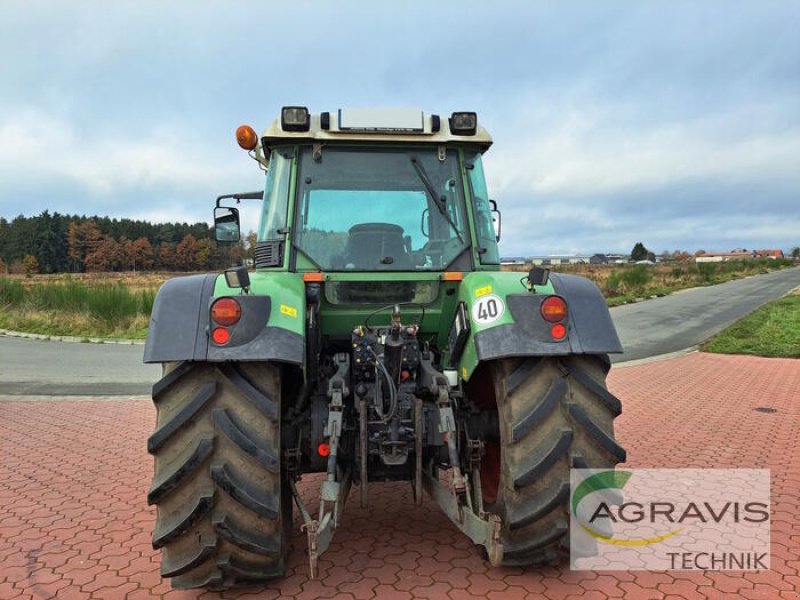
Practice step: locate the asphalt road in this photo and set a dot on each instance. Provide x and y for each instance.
(690, 317)
(39, 367)
(650, 328)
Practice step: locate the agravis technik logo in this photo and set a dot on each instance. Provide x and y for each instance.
(710, 519)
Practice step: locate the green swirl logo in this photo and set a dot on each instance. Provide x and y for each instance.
(609, 480)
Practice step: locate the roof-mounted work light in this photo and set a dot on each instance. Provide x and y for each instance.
(463, 123)
(295, 118)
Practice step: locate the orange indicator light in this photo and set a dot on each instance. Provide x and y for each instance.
(554, 309)
(226, 311)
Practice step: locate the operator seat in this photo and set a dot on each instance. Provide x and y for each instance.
(369, 243)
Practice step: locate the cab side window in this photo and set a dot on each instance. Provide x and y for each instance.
(488, 251)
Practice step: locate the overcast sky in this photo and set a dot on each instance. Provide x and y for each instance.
(672, 123)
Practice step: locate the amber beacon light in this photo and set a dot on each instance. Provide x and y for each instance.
(246, 137)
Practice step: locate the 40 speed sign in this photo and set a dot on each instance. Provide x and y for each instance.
(487, 309)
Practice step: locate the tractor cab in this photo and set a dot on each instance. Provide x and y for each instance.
(374, 190)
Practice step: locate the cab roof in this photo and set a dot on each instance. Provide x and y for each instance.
(377, 125)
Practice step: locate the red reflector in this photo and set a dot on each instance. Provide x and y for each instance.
(558, 331)
(221, 336)
(324, 449)
(554, 309)
(226, 311)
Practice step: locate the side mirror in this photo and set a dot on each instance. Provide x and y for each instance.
(496, 220)
(226, 224)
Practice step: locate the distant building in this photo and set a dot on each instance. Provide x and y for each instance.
(617, 259)
(556, 259)
(566, 259)
(713, 257)
(598, 259)
(773, 254)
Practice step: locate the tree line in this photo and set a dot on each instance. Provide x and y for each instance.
(56, 243)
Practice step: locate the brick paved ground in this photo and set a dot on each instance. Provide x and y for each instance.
(74, 522)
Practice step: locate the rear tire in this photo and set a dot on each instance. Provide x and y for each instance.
(555, 413)
(224, 507)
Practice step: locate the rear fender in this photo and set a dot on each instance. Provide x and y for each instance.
(505, 319)
(271, 327)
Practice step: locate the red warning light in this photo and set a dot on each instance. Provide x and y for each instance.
(221, 336)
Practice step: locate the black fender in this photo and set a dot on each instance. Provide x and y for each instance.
(180, 327)
(590, 329)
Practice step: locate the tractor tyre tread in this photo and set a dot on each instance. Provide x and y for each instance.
(555, 413)
(224, 510)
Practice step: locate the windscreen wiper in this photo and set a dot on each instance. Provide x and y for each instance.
(439, 201)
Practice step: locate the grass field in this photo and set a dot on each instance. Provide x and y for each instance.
(71, 307)
(773, 330)
(622, 284)
(118, 305)
(139, 280)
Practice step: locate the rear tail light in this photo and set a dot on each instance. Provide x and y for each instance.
(554, 309)
(558, 331)
(226, 311)
(221, 336)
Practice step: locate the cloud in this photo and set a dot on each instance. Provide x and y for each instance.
(37, 145)
(688, 217)
(677, 123)
(576, 176)
(585, 153)
(161, 174)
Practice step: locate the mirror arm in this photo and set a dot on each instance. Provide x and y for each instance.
(240, 196)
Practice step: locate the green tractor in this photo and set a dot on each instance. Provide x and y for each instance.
(375, 338)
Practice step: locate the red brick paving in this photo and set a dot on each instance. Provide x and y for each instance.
(74, 522)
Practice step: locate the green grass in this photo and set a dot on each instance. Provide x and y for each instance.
(633, 282)
(72, 308)
(773, 330)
